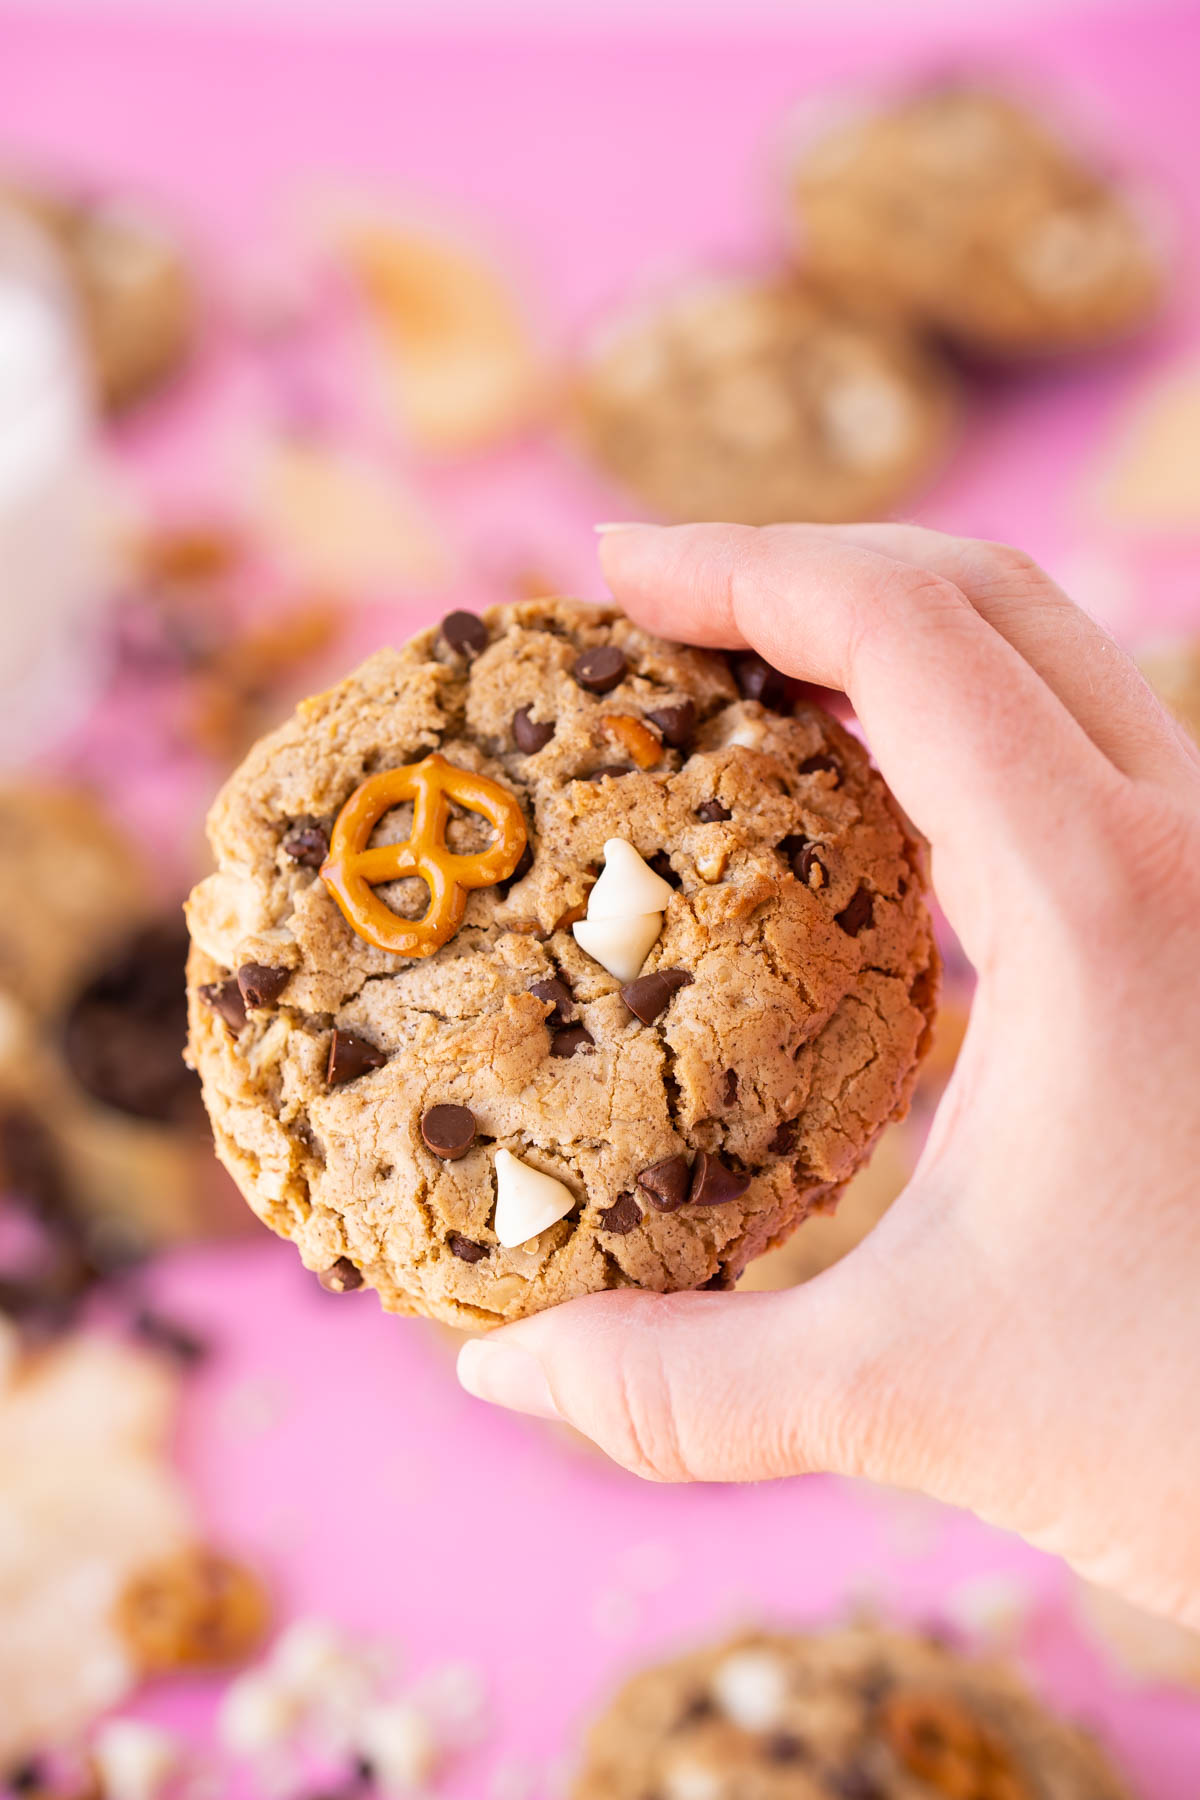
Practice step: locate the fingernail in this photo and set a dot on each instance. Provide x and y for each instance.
(617, 525)
(506, 1376)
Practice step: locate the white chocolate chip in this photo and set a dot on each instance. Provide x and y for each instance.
(627, 887)
(750, 1688)
(397, 1741)
(526, 1200)
(135, 1761)
(259, 1712)
(710, 864)
(619, 945)
(748, 733)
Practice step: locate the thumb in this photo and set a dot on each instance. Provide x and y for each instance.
(729, 1387)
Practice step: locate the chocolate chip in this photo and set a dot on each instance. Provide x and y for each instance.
(757, 680)
(124, 1034)
(570, 1040)
(713, 1184)
(465, 1248)
(712, 812)
(720, 1283)
(808, 868)
(558, 997)
(815, 764)
(262, 983)
(185, 1346)
(225, 998)
(660, 862)
(677, 723)
(666, 1183)
(449, 1131)
(784, 1139)
(30, 1166)
(785, 1747)
(307, 843)
(699, 1707)
(600, 670)
(529, 735)
(524, 864)
(340, 1277)
(608, 769)
(853, 1783)
(351, 1056)
(729, 1087)
(651, 994)
(858, 913)
(25, 1777)
(464, 633)
(621, 1216)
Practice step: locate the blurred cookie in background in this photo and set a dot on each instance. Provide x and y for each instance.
(757, 400)
(1173, 671)
(103, 1154)
(962, 210)
(132, 283)
(861, 1712)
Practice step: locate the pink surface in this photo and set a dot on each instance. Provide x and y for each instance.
(327, 1439)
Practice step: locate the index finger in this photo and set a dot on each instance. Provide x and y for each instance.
(979, 751)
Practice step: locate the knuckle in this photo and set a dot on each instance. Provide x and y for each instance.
(644, 1433)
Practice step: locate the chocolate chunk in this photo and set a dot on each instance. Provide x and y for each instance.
(351, 1056)
(570, 1040)
(699, 1707)
(607, 769)
(808, 867)
(784, 1139)
(677, 723)
(666, 1183)
(621, 1216)
(262, 983)
(225, 998)
(340, 1277)
(729, 1087)
(528, 734)
(30, 1166)
(858, 913)
(651, 994)
(757, 680)
(600, 670)
(785, 1747)
(26, 1777)
(307, 843)
(660, 862)
(712, 812)
(465, 1248)
(558, 997)
(713, 1184)
(815, 764)
(524, 864)
(124, 1034)
(465, 633)
(185, 1346)
(449, 1131)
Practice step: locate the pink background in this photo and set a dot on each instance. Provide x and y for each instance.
(325, 1439)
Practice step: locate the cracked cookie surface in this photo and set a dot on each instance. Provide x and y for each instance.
(860, 1713)
(797, 910)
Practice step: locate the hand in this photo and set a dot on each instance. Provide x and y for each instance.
(1021, 1333)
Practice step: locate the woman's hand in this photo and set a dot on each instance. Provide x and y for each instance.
(1021, 1333)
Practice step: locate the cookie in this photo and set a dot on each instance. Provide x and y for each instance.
(853, 1714)
(131, 283)
(675, 977)
(958, 209)
(758, 401)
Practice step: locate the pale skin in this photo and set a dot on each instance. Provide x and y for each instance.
(1021, 1334)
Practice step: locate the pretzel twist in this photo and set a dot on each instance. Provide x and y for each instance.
(351, 871)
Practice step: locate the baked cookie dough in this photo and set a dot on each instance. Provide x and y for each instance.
(959, 209)
(661, 1033)
(853, 1714)
(760, 401)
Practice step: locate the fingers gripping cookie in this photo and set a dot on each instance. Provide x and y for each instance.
(351, 871)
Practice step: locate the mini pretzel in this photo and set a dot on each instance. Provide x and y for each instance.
(941, 1743)
(351, 870)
